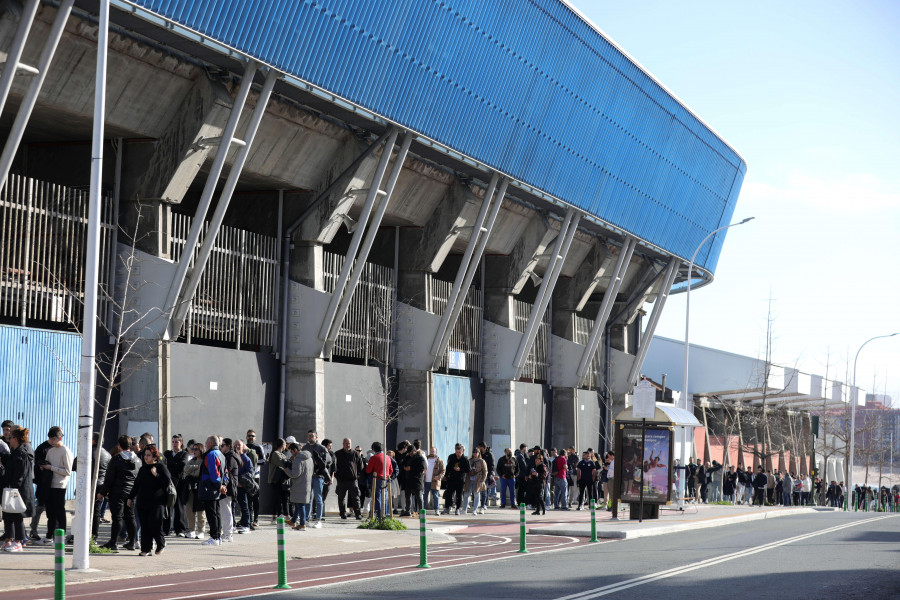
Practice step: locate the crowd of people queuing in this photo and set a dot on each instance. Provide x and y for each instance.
(211, 488)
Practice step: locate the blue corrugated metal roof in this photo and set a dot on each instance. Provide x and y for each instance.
(527, 87)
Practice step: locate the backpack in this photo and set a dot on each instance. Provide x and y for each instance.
(248, 483)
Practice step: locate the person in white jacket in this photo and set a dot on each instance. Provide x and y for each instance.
(59, 463)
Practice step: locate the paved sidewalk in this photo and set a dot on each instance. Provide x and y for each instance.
(672, 520)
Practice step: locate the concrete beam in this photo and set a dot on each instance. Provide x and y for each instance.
(508, 274)
(424, 249)
(184, 147)
(567, 297)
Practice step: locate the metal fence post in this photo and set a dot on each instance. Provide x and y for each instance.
(282, 559)
(594, 521)
(59, 566)
(423, 542)
(522, 547)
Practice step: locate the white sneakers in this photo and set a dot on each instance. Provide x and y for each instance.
(317, 525)
(212, 542)
(243, 530)
(12, 547)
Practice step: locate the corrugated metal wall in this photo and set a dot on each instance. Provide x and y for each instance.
(452, 413)
(525, 86)
(39, 382)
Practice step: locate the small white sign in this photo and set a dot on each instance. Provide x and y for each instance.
(348, 397)
(213, 386)
(644, 400)
(582, 407)
(524, 401)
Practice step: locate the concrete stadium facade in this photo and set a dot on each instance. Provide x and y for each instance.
(489, 291)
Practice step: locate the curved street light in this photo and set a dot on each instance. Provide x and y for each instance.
(687, 321)
(853, 420)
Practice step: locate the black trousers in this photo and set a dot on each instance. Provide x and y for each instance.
(152, 518)
(347, 490)
(453, 495)
(122, 515)
(213, 518)
(14, 527)
(586, 486)
(281, 500)
(178, 517)
(56, 510)
(520, 490)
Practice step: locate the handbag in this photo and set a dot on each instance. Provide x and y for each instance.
(12, 501)
(171, 494)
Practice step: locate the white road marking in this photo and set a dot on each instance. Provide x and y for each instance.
(629, 583)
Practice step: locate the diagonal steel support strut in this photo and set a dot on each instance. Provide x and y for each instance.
(31, 96)
(372, 231)
(609, 297)
(560, 250)
(356, 240)
(190, 285)
(671, 272)
(466, 272)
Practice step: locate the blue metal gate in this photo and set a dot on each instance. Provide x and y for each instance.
(39, 382)
(452, 413)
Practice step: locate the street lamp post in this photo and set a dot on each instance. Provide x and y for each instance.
(687, 325)
(853, 418)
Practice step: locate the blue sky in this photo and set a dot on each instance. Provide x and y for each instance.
(809, 94)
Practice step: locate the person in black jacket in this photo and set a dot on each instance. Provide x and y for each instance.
(176, 459)
(508, 472)
(42, 479)
(18, 473)
(349, 466)
(149, 493)
(101, 465)
(117, 487)
(416, 465)
(760, 481)
(229, 502)
(457, 469)
(523, 468)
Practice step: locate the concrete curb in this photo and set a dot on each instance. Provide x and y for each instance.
(640, 531)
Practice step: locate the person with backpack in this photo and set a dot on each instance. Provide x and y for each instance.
(213, 489)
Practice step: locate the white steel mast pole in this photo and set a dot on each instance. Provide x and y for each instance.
(82, 525)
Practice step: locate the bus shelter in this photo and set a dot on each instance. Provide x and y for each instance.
(645, 456)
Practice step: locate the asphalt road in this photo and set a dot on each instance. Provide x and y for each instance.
(824, 555)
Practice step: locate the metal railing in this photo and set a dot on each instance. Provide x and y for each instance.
(465, 340)
(43, 242)
(366, 331)
(581, 329)
(235, 301)
(537, 365)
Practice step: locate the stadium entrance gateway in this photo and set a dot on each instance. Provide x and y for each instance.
(645, 451)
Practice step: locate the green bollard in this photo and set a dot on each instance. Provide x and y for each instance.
(423, 542)
(282, 559)
(59, 566)
(594, 521)
(522, 547)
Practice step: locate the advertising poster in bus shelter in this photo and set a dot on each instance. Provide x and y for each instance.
(652, 459)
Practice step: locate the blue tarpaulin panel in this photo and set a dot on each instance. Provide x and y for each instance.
(452, 413)
(527, 87)
(39, 383)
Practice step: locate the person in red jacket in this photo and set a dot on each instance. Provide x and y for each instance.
(379, 471)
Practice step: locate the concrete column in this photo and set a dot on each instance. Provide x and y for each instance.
(499, 411)
(305, 404)
(415, 396)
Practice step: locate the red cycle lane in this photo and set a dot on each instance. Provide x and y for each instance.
(479, 543)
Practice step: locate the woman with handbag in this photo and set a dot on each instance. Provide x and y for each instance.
(150, 494)
(18, 489)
